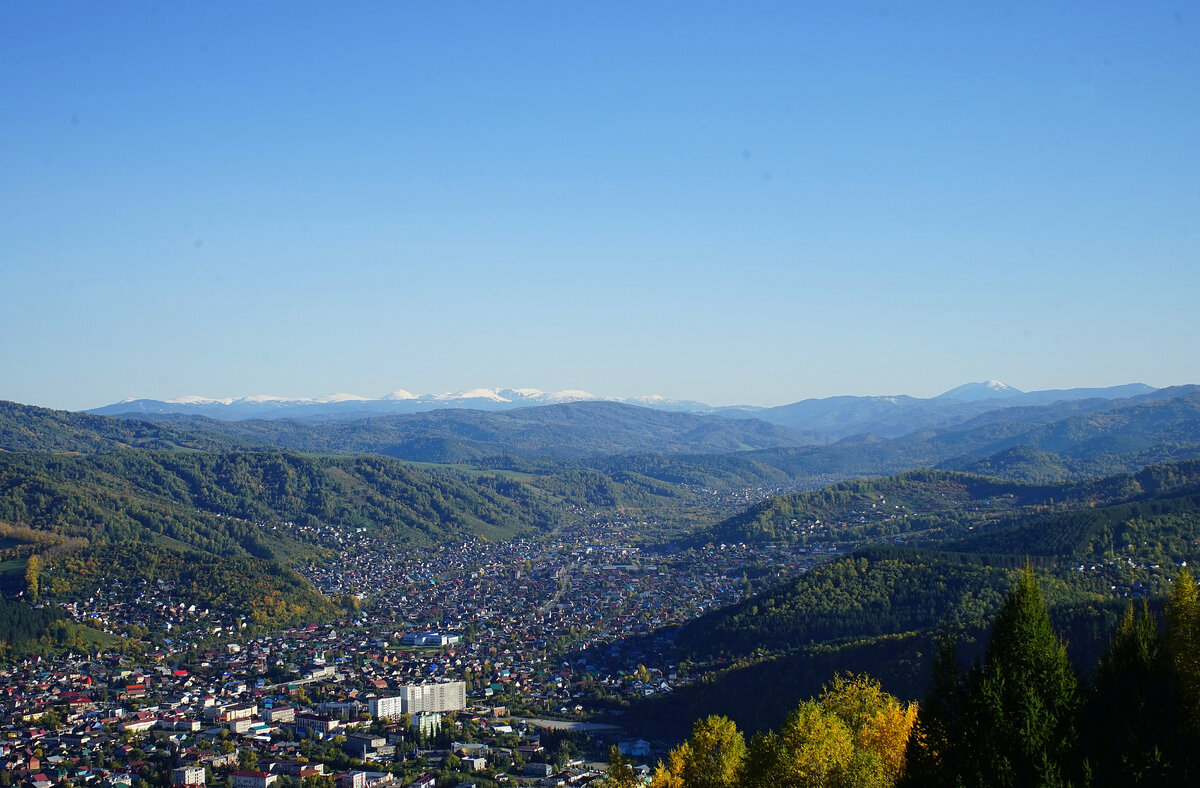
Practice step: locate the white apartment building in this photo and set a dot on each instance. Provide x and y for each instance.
(385, 707)
(416, 698)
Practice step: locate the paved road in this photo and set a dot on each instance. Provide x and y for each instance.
(567, 725)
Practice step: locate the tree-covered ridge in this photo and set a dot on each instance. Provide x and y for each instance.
(222, 528)
(860, 596)
(702, 470)
(264, 593)
(1034, 444)
(1026, 444)
(1124, 438)
(877, 610)
(1046, 444)
(573, 430)
(1154, 531)
(619, 490)
(26, 428)
(933, 506)
(212, 501)
(873, 509)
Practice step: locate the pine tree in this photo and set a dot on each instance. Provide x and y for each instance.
(1025, 699)
(1131, 720)
(939, 746)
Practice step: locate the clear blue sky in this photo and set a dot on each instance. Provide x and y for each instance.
(732, 202)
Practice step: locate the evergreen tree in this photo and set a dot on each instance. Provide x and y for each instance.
(1130, 719)
(1024, 699)
(939, 746)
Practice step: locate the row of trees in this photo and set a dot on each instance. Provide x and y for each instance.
(1022, 716)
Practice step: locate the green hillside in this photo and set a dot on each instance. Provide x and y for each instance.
(227, 526)
(928, 506)
(212, 502)
(574, 430)
(1123, 438)
(26, 428)
(1095, 545)
(1039, 445)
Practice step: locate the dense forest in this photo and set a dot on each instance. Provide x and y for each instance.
(26, 428)
(1037, 444)
(192, 497)
(228, 525)
(21, 623)
(574, 430)
(1019, 716)
(1095, 544)
(929, 506)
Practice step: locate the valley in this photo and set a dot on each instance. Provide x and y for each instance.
(157, 574)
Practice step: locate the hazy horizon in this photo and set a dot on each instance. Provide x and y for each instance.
(445, 395)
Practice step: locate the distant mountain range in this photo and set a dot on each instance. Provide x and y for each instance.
(336, 407)
(569, 430)
(826, 419)
(1067, 438)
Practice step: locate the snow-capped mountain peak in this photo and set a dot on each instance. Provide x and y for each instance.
(987, 389)
(807, 414)
(262, 399)
(567, 395)
(491, 395)
(340, 397)
(400, 394)
(192, 399)
(650, 399)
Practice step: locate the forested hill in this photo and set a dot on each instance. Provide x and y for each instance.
(1025, 444)
(1039, 444)
(213, 501)
(876, 610)
(931, 506)
(573, 430)
(228, 526)
(853, 512)
(26, 428)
